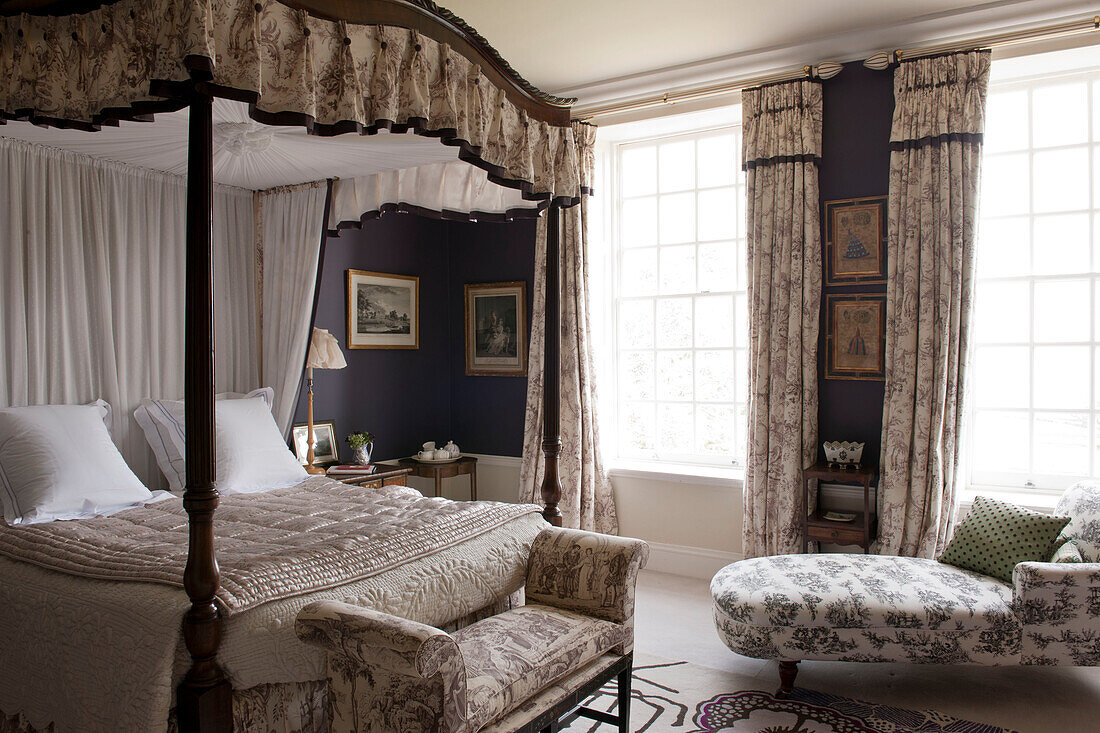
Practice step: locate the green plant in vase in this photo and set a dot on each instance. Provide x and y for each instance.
(362, 443)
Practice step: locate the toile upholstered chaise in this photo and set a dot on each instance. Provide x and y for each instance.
(874, 608)
(517, 671)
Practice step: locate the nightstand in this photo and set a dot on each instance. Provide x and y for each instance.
(860, 531)
(464, 466)
(383, 476)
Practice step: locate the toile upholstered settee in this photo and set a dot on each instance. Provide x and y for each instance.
(874, 608)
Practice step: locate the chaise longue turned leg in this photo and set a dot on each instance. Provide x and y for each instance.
(787, 672)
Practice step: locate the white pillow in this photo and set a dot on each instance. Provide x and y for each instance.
(59, 462)
(250, 453)
(162, 423)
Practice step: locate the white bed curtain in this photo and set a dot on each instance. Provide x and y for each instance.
(291, 220)
(92, 287)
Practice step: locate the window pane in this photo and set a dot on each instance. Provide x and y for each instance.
(719, 213)
(678, 269)
(637, 428)
(1060, 115)
(713, 321)
(714, 380)
(741, 319)
(718, 160)
(677, 218)
(638, 225)
(1001, 313)
(638, 167)
(1006, 122)
(677, 166)
(675, 428)
(639, 272)
(1001, 376)
(636, 378)
(717, 266)
(1061, 244)
(674, 323)
(1062, 310)
(1001, 442)
(1004, 185)
(741, 374)
(716, 430)
(1061, 180)
(1061, 377)
(636, 324)
(674, 375)
(1004, 247)
(1062, 443)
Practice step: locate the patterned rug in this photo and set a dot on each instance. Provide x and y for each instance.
(673, 697)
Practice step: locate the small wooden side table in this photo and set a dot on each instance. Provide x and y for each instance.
(860, 531)
(464, 466)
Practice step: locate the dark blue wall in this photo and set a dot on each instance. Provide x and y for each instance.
(858, 105)
(407, 396)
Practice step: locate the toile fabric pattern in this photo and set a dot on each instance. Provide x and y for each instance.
(1081, 502)
(936, 145)
(1059, 607)
(132, 57)
(587, 501)
(782, 146)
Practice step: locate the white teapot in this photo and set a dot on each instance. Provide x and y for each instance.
(452, 449)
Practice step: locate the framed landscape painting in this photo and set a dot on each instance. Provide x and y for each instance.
(383, 310)
(855, 241)
(325, 445)
(855, 336)
(496, 329)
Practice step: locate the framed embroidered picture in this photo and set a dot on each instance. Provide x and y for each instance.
(855, 241)
(855, 336)
(383, 310)
(496, 329)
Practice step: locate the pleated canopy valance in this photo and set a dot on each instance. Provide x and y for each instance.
(134, 57)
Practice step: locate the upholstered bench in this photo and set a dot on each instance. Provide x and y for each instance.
(519, 670)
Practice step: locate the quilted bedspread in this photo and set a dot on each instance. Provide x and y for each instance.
(318, 534)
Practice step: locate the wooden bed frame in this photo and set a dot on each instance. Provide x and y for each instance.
(204, 697)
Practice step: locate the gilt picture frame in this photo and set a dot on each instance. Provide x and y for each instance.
(855, 336)
(496, 329)
(383, 310)
(326, 448)
(855, 241)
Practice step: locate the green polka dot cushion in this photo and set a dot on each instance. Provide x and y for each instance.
(996, 536)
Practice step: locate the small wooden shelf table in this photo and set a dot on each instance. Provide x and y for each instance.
(464, 466)
(860, 531)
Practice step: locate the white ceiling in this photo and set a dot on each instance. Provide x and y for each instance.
(575, 46)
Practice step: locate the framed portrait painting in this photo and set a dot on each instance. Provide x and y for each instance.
(855, 241)
(855, 336)
(496, 329)
(383, 310)
(324, 446)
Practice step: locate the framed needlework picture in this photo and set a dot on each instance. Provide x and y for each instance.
(383, 310)
(855, 336)
(855, 241)
(496, 329)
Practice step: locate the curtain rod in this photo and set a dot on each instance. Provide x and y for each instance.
(827, 70)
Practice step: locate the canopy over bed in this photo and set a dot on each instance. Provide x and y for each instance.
(325, 67)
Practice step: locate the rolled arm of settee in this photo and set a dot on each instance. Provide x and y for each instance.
(586, 572)
(375, 639)
(1058, 605)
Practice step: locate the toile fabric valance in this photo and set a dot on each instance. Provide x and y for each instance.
(940, 96)
(134, 57)
(782, 122)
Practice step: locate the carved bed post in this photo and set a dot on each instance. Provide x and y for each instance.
(551, 370)
(204, 698)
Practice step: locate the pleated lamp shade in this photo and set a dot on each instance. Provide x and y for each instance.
(324, 351)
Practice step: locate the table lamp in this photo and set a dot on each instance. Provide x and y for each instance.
(324, 353)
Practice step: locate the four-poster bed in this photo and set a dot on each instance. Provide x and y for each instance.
(333, 67)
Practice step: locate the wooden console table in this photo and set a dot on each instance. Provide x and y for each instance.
(466, 465)
(860, 531)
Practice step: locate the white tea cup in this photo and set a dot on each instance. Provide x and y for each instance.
(426, 455)
(429, 446)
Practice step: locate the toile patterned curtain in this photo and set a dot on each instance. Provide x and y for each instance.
(587, 501)
(936, 142)
(782, 146)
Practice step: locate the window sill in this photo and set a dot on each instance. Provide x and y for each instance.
(1036, 499)
(679, 473)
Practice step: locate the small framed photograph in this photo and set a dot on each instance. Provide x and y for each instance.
(496, 329)
(383, 310)
(855, 241)
(855, 336)
(325, 443)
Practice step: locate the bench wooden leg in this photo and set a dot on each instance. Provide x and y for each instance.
(625, 682)
(787, 672)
